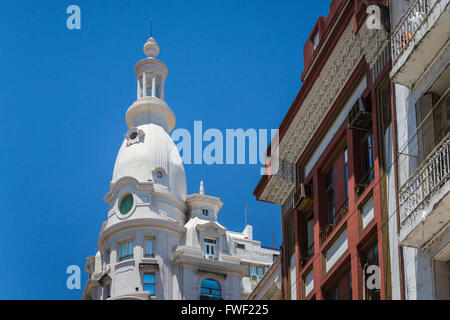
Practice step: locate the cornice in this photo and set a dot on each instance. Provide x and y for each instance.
(136, 224)
(211, 225)
(213, 265)
(116, 185)
(350, 49)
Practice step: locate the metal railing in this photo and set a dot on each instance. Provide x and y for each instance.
(426, 180)
(308, 254)
(432, 140)
(405, 31)
(333, 222)
(127, 257)
(288, 203)
(254, 254)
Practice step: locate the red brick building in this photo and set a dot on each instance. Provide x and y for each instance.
(334, 151)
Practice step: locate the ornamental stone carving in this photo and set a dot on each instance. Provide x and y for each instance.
(350, 49)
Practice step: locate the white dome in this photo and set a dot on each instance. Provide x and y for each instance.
(152, 150)
(148, 153)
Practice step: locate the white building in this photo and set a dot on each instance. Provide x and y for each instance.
(269, 287)
(421, 73)
(254, 257)
(158, 242)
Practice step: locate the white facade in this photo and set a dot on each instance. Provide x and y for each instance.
(421, 73)
(256, 259)
(269, 288)
(158, 242)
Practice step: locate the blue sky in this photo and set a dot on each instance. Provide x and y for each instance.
(64, 94)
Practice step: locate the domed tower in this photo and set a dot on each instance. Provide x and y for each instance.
(146, 201)
(159, 243)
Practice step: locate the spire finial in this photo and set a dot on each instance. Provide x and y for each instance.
(202, 189)
(151, 48)
(151, 28)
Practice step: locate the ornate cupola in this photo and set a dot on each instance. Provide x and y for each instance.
(148, 153)
(150, 106)
(150, 72)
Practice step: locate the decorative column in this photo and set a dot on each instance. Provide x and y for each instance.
(144, 84)
(153, 84)
(138, 88)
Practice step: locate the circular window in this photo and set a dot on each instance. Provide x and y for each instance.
(205, 212)
(126, 204)
(133, 135)
(159, 174)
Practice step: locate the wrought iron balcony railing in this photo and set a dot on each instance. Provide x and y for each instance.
(433, 171)
(288, 204)
(426, 180)
(308, 254)
(127, 257)
(405, 31)
(333, 222)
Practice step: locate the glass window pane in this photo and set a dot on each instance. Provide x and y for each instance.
(130, 248)
(123, 249)
(252, 270)
(149, 283)
(260, 272)
(150, 288)
(149, 248)
(149, 278)
(211, 288)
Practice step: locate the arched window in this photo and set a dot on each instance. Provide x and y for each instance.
(210, 290)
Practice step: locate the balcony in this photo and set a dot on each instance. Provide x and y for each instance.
(418, 39)
(308, 254)
(424, 197)
(333, 222)
(253, 254)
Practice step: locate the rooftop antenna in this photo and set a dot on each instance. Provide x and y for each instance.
(151, 27)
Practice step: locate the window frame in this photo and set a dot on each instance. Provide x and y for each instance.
(210, 245)
(128, 256)
(151, 255)
(211, 296)
(144, 284)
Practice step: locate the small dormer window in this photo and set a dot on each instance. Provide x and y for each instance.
(315, 39)
(205, 212)
(210, 248)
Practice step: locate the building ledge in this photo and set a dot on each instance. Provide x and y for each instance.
(421, 227)
(424, 28)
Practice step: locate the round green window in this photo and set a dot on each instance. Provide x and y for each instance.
(126, 204)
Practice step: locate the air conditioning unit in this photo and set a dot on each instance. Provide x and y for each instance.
(303, 197)
(360, 116)
(254, 277)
